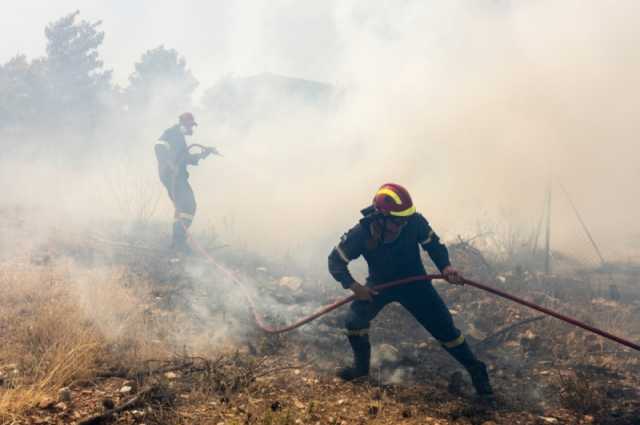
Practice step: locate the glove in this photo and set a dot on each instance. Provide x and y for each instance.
(362, 292)
(452, 275)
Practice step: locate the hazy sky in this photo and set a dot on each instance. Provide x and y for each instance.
(217, 37)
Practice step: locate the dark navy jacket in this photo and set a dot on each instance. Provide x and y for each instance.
(172, 154)
(388, 261)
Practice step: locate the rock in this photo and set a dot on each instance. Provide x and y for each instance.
(64, 395)
(62, 406)
(293, 283)
(46, 403)
(9, 369)
(132, 384)
(126, 389)
(138, 413)
(171, 375)
(476, 333)
(530, 342)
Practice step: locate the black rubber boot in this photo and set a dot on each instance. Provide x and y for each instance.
(361, 358)
(480, 380)
(477, 370)
(179, 243)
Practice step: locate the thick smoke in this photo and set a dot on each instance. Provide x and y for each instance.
(473, 106)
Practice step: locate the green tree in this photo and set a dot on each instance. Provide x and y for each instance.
(161, 83)
(22, 88)
(77, 81)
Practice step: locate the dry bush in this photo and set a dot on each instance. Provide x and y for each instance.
(43, 335)
(59, 324)
(116, 304)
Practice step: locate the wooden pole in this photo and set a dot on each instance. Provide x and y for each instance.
(547, 244)
(584, 226)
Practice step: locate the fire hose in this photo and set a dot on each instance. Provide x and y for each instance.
(394, 284)
(402, 282)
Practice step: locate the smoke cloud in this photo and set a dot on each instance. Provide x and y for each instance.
(474, 106)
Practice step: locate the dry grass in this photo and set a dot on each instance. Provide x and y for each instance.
(60, 324)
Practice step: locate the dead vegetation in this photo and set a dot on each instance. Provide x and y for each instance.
(136, 341)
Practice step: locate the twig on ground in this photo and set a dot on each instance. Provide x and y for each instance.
(280, 369)
(99, 418)
(497, 337)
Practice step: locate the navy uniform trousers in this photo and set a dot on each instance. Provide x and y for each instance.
(420, 299)
(184, 202)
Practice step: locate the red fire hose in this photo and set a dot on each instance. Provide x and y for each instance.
(396, 283)
(555, 314)
(266, 328)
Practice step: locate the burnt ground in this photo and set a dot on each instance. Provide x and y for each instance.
(184, 353)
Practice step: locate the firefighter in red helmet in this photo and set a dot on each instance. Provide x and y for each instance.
(173, 155)
(389, 237)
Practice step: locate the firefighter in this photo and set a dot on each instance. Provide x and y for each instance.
(389, 237)
(173, 155)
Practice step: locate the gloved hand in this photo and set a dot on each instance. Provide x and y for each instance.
(362, 292)
(208, 151)
(452, 275)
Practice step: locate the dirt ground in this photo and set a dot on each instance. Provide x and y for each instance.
(99, 331)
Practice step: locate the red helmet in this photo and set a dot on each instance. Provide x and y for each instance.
(393, 199)
(187, 119)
